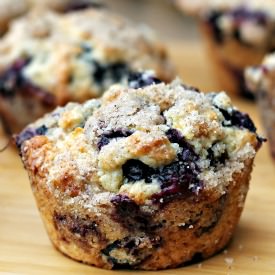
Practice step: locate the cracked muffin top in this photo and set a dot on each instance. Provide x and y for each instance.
(76, 56)
(252, 22)
(150, 141)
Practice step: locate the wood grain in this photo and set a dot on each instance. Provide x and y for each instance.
(26, 249)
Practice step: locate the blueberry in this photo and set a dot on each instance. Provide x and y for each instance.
(106, 137)
(140, 80)
(29, 133)
(115, 71)
(174, 136)
(215, 160)
(130, 215)
(135, 170)
(177, 178)
(135, 250)
(238, 119)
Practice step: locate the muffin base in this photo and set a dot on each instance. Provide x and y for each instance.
(109, 231)
(229, 60)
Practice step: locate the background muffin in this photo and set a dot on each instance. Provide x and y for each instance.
(48, 59)
(238, 34)
(147, 178)
(11, 9)
(261, 80)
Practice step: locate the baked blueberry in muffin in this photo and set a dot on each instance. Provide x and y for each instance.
(238, 34)
(49, 60)
(148, 177)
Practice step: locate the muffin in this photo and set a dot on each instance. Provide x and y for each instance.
(11, 9)
(261, 80)
(149, 177)
(49, 59)
(238, 33)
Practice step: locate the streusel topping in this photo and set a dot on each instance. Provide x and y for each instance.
(147, 143)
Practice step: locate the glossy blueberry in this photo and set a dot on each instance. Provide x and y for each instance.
(140, 80)
(108, 136)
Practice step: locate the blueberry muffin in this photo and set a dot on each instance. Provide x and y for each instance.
(11, 9)
(47, 61)
(148, 177)
(238, 34)
(261, 80)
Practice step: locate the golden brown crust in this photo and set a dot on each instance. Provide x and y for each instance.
(187, 227)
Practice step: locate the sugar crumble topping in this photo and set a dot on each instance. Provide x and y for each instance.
(147, 143)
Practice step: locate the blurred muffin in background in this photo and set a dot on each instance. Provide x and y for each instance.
(11, 9)
(238, 34)
(261, 80)
(50, 59)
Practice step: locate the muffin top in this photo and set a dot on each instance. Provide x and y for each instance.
(75, 56)
(11, 9)
(262, 78)
(250, 21)
(150, 141)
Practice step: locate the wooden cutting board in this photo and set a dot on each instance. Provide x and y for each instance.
(26, 249)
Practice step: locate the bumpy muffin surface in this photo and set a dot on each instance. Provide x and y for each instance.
(78, 55)
(48, 59)
(148, 177)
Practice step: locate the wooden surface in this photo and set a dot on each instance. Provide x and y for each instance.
(26, 249)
